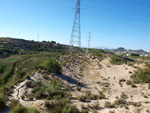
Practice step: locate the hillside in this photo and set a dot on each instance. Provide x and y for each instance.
(10, 46)
(63, 82)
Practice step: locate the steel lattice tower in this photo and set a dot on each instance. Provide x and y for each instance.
(76, 32)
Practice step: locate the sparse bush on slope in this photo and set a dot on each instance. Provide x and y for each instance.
(60, 106)
(16, 107)
(116, 60)
(52, 65)
(142, 76)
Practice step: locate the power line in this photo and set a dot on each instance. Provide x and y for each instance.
(121, 2)
(116, 12)
(134, 19)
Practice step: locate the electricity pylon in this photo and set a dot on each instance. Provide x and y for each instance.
(89, 37)
(76, 32)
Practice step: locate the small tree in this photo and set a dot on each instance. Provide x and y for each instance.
(52, 65)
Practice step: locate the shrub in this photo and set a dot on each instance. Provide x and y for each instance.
(87, 93)
(94, 97)
(28, 77)
(32, 110)
(123, 96)
(119, 101)
(122, 80)
(70, 109)
(2, 103)
(142, 76)
(30, 98)
(14, 103)
(82, 98)
(57, 106)
(128, 82)
(29, 84)
(96, 105)
(52, 66)
(108, 105)
(105, 84)
(21, 74)
(101, 95)
(136, 104)
(85, 111)
(95, 111)
(116, 60)
(133, 85)
(22, 97)
(19, 109)
(46, 77)
(82, 106)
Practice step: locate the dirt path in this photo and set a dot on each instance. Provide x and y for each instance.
(19, 90)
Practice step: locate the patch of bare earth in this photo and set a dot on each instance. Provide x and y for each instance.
(107, 79)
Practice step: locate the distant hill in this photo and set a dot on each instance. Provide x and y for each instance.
(14, 46)
(123, 50)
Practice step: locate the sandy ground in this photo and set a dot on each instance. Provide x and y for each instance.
(112, 74)
(92, 74)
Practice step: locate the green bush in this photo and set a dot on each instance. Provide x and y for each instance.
(82, 98)
(29, 84)
(30, 98)
(70, 109)
(135, 55)
(108, 105)
(96, 105)
(85, 111)
(58, 106)
(22, 97)
(116, 60)
(52, 66)
(95, 111)
(142, 76)
(93, 96)
(14, 103)
(101, 95)
(21, 109)
(32, 110)
(120, 101)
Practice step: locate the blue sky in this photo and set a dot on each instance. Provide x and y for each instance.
(113, 23)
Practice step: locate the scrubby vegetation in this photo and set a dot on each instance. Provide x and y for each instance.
(60, 106)
(116, 60)
(52, 65)
(142, 76)
(53, 90)
(18, 108)
(55, 82)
